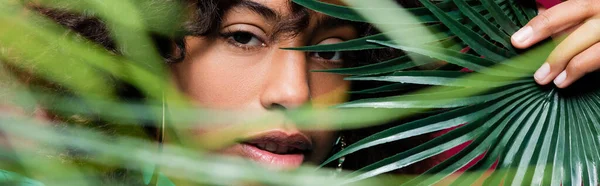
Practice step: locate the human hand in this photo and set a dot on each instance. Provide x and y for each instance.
(578, 53)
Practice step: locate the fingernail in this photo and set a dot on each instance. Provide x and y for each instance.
(542, 72)
(560, 78)
(523, 34)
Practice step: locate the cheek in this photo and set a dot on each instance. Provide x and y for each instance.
(328, 89)
(213, 77)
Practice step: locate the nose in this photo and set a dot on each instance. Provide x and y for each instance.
(288, 85)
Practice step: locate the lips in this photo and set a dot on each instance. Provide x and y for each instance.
(277, 149)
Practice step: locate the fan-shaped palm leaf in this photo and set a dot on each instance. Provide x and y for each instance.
(525, 134)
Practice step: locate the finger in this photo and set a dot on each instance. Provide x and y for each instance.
(585, 62)
(554, 20)
(578, 41)
(566, 32)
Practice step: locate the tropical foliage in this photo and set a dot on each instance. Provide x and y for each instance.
(518, 132)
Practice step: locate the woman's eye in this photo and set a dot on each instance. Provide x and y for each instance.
(329, 57)
(332, 56)
(244, 39)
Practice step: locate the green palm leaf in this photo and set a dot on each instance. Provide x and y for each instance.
(526, 134)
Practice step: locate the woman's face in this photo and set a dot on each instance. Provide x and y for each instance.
(242, 68)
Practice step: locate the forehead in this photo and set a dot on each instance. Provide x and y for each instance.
(291, 16)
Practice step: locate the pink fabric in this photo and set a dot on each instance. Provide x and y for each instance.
(548, 3)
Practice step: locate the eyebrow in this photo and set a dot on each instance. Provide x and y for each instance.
(260, 9)
(292, 24)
